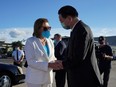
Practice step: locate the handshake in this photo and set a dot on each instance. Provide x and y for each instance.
(56, 65)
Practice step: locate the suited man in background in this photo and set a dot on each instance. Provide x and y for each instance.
(60, 75)
(80, 63)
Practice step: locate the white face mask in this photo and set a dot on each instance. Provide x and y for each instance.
(16, 48)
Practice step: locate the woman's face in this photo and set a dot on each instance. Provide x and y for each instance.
(45, 27)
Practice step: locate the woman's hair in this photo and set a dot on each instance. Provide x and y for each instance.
(37, 25)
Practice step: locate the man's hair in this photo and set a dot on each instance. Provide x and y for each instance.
(68, 11)
(17, 44)
(38, 24)
(101, 38)
(58, 35)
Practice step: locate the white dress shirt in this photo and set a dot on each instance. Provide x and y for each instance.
(19, 55)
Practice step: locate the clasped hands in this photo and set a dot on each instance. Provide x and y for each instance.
(18, 62)
(56, 65)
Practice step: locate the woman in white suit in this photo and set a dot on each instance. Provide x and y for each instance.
(39, 51)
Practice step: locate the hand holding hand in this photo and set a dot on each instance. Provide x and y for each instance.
(56, 65)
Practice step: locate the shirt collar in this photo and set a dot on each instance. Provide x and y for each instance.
(57, 43)
(75, 24)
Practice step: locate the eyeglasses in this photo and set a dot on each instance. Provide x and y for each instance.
(46, 28)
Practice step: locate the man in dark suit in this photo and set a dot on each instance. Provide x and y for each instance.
(59, 54)
(80, 63)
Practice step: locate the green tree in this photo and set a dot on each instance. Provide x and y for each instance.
(19, 43)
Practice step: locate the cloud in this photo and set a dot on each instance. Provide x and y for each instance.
(104, 32)
(61, 31)
(96, 32)
(10, 35)
(3, 35)
(15, 34)
(21, 34)
(3, 38)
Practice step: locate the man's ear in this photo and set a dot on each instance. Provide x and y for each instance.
(70, 18)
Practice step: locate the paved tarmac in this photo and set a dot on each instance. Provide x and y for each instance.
(112, 81)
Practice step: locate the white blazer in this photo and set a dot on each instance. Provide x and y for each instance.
(37, 71)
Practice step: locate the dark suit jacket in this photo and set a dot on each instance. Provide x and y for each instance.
(81, 63)
(59, 50)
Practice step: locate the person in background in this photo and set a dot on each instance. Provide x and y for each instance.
(80, 62)
(18, 56)
(104, 55)
(39, 51)
(60, 46)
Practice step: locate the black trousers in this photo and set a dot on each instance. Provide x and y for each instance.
(106, 75)
(60, 77)
(73, 82)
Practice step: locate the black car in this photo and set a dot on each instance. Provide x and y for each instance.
(10, 75)
(114, 58)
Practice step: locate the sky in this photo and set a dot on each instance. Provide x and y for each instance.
(17, 17)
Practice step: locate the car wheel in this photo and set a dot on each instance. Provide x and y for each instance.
(5, 80)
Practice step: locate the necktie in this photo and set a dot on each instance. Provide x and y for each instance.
(17, 55)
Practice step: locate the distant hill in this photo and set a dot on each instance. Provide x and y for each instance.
(110, 39)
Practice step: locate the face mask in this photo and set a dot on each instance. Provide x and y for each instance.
(16, 48)
(55, 41)
(64, 26)
(46, 34)
(101, 42)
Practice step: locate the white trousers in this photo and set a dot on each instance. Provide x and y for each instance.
(38, 85)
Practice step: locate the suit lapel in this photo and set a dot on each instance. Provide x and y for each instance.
(71, 39)
(41, 47)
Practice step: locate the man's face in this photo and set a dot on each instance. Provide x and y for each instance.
(61, 19)
(56, 38)
(65, 22)
(101, 41)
